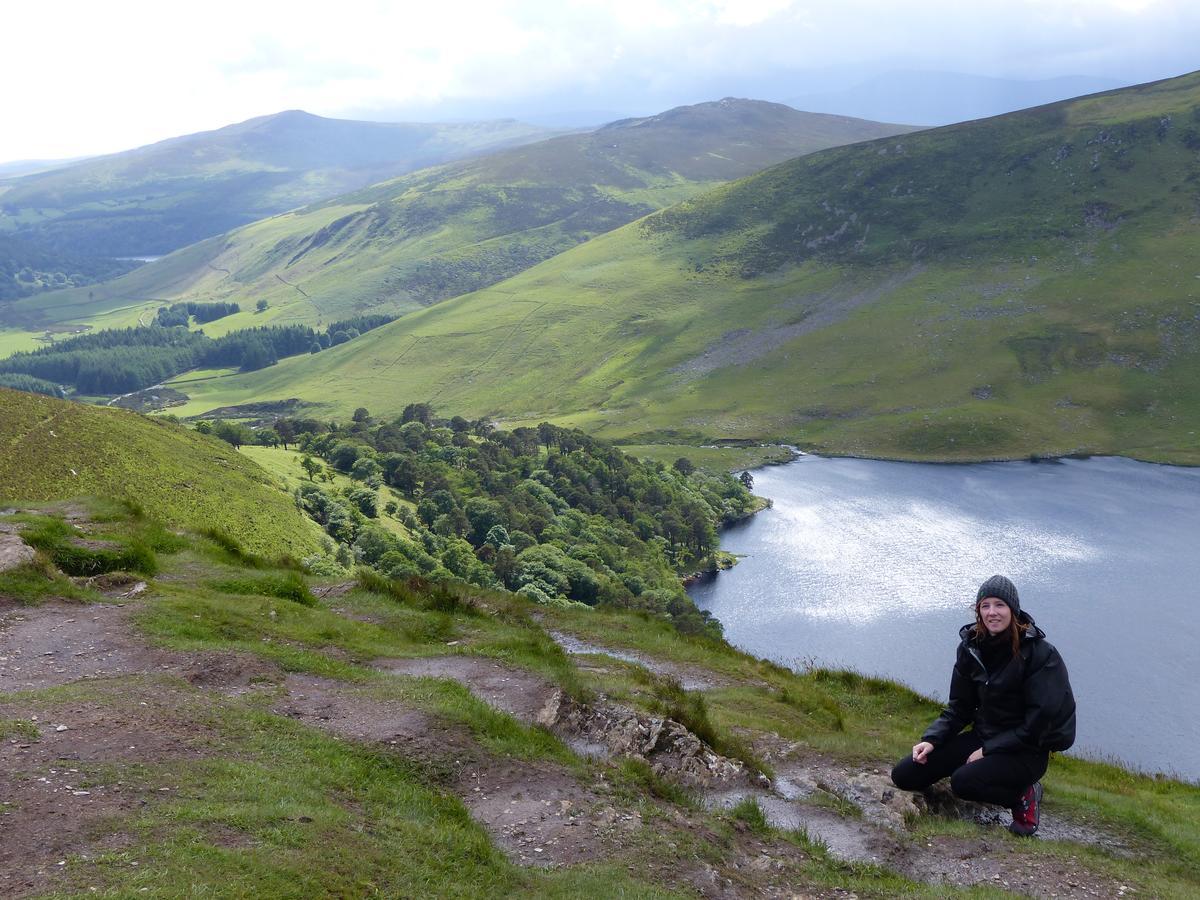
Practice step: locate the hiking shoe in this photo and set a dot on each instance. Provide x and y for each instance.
(1025, 813)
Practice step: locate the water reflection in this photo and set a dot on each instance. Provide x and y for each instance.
(874, 565)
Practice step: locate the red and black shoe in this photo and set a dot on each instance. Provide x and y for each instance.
(1026, 812)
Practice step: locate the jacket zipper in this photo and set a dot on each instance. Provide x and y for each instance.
(987, 678)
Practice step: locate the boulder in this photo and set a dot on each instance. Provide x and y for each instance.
(14, 552)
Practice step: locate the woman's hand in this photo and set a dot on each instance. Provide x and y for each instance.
(976, 756)
(921, 752)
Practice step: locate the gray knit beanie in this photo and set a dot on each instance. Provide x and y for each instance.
(1002, 589)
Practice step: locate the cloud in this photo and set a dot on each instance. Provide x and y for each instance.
(91, 77)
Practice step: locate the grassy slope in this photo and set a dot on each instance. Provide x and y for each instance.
(1020, 284)
(54, 450)
(449, 230)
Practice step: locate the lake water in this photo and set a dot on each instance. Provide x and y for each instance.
(874, 565)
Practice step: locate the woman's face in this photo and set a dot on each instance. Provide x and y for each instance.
(995, 614)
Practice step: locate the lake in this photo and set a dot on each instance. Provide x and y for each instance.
(873, 566)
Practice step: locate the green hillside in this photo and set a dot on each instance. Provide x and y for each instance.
(446, 231)
(1023, 284)
(57, 450)
(65, 226)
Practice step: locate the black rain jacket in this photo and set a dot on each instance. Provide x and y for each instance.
(1026, 706)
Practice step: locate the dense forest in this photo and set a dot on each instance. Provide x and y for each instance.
(117, 361)
(184, 313)
(31, 265)
(548, 512)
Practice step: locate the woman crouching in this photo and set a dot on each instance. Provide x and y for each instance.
(1010, 685)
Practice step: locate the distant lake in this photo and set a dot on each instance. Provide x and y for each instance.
(873, 566)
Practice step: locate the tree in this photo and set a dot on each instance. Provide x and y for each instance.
(684, 466)
(286, 429)
(361, 415)
(261, 305)
(747, 481)
(311, 466)
(233, 433)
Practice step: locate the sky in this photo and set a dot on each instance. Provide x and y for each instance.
(86, 78)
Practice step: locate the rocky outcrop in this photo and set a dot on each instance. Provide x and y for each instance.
(667, 746)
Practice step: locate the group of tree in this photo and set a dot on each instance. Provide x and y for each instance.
(182, 314)
(548, 512)
(118, 361)
(33, 385)
(30, 265)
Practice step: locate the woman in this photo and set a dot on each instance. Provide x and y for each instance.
(1010, 685)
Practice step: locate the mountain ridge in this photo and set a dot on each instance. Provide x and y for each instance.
(914, 297)
(454, 228)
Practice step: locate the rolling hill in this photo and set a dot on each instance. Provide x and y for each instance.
(58, 450)
(155, 199)
(1022, 284)
(449, 230)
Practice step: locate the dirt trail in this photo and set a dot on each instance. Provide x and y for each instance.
(517, 692)
(537, 811)
(59, 643)
(57, 783)
(690, 678)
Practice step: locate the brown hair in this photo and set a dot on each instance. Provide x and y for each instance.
(1016, 630)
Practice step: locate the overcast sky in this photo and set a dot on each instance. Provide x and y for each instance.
(85, 78)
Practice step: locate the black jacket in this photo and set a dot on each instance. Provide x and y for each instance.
(1025, 706)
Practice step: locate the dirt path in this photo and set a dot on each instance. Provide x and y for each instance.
(518, 692)
(690, 678)
(59, 643)
(63, 775)
(536, 811)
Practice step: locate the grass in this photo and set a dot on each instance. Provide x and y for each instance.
(56, 450)
(715, 459)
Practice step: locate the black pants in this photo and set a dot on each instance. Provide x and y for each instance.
(1000, 778)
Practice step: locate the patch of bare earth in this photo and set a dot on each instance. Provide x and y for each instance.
(64, 791)
(537, 811)
(61, 643)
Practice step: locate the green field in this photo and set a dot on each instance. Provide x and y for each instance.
(1024, 284)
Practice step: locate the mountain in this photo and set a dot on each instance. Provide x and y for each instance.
(59, 450)
(155, 199)
(444, 231)
(18, 167)
(1022, 284)
(943, 98)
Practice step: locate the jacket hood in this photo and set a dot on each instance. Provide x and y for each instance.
(1034, 633)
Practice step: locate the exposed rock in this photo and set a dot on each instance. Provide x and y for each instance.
(881, 801)
(14, 552)
(670, 748)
